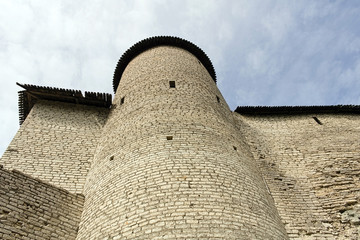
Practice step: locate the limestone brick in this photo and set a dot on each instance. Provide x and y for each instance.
(56, 143)
(170, 163)
(32, 209)
(169, 160)
(312, 170)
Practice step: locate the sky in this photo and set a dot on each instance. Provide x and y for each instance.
(265, 52)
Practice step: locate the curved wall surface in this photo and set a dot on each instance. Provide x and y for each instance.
(171, 164)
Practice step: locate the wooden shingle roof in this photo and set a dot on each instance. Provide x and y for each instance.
(269, 110)
(32, 93)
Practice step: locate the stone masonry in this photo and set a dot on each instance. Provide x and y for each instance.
(312, 170)
(56, 143)
(32, 209)
(169, 160)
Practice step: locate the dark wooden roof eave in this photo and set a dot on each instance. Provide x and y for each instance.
(287, 110)
(32, 93)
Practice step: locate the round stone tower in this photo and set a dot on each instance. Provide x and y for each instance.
(171, 164)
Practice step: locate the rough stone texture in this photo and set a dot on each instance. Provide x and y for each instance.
(170, 163)
(312, 171)
(56, 143)
(31, 209)
(176, 163)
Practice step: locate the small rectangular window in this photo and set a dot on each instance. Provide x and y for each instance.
(218, 99)
(317, 120)
(122, 100)
(172, 84)
(169, 138)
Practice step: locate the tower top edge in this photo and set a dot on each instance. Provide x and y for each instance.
(152, 42)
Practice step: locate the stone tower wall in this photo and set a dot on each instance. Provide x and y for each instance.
(56, 143)
(31, 209)
(312, 170)
(170, 163)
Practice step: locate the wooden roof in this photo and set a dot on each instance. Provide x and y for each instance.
(32, 93)
(268, 110)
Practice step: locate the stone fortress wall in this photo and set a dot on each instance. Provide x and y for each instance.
(169, 160)
(312, 170)
(56, 143)
(171, 164)
(32, 209)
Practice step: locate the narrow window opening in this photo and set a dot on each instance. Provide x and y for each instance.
(317, 120)
(218, 99)
(169, 138)
(112, 158)
(235, 148)
(172, 84)
(122, 100)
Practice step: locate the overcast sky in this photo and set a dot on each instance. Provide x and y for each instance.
(264, 52)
